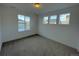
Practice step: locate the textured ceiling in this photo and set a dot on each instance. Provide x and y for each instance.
(45, 7)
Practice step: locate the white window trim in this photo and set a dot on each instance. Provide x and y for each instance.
(62, 14)
(49, 19)
(24, 23)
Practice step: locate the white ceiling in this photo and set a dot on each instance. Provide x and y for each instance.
(45, 7)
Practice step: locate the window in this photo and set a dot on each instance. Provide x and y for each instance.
(52, 19)
(45, 20)
(64, 18)
(27, 21)
(23, 23)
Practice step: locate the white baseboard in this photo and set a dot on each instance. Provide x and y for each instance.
(0, 46)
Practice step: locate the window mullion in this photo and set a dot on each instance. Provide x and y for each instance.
(24, 23)
(57, 19)
(48, 19)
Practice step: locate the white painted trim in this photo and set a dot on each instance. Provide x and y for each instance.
(0, 46)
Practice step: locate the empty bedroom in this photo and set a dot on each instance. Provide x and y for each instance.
(39, 29)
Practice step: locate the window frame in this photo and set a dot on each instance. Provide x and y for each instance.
(47, 20)
(24, 23)
(50, 19)
(63, 14)
(29, 22)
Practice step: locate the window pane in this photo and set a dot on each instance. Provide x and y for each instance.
(19, 21)
(45, 20)
(53, 19)
(21, 27)
(27, 21)
(27, 26)
(21, 17)
(64, 18)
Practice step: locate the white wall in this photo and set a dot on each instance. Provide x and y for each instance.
(0, 34)
(10, 24)
(65, 34)
(0, 30)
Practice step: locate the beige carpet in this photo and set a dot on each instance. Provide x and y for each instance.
(36, 46)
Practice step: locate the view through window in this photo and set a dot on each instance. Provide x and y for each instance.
(64, 18)
(23, 23)
(53, 19)
(45, 20)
